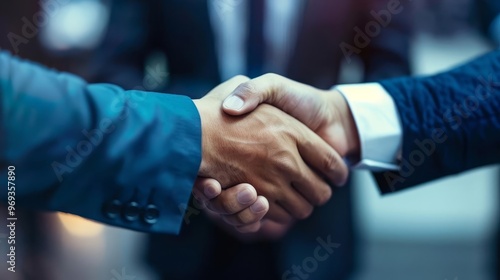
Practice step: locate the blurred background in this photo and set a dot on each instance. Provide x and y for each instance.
(444, 230)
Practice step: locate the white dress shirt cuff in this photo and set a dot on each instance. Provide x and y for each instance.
(378, 124)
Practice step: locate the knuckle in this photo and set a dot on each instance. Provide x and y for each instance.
(241, 77)
(270, 76)
(286, 164)
(331, 163)
(246, 88)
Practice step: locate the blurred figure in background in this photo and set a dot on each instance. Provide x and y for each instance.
(206, 42)
(19, 34)
(488, 18)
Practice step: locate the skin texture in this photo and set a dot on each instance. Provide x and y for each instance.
(228, 209)
(272, 151)
(324, 112)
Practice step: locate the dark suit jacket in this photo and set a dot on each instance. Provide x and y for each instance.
(96, 150)
(451, 122)
(486, 12)
(181, 30)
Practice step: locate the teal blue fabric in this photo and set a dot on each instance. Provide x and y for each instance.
(76, 146)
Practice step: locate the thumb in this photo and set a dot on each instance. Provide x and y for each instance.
(247, 96)
(222, 90)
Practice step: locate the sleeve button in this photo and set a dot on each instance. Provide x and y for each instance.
(151, 214)
(131, 211)
(113, 208)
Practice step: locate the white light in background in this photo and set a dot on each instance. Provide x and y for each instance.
(78, 25)
(79, 227)
(459, 207)
(82, 247)
(82, 240)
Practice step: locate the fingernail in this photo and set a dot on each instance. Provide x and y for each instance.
(258, 206)
(233, 103)
(245, 196)
(211, 191)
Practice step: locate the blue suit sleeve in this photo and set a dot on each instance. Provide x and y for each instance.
(125, 158)
(451, 122)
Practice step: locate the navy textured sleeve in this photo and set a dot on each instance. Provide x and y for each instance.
(451, 122)
(125, 158)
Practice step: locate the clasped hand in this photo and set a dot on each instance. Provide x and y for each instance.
(283, 151)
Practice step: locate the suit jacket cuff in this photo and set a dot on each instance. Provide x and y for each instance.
(125, 158)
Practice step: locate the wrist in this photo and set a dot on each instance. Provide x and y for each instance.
(203, 170)
(345, 120)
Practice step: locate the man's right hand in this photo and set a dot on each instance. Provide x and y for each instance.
(270, 150)
(326, 112)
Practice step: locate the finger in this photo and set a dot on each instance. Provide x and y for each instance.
(247, 96)
(233, 200)
(272, 89)
(249, 228)
(206, 189)
(278, 214)
(295, 204)
(321, 156)
(311, 186)
(224, 89)
(249, 215)
(314, 189)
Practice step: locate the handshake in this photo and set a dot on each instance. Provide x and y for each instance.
(263, 166)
